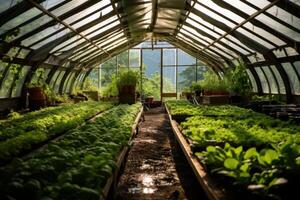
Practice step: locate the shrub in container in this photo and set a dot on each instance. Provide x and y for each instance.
(238, 83)
(126, 83)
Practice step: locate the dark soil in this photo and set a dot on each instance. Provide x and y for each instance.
(156, 167)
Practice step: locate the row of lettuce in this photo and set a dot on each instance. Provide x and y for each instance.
(21, 133)
(76, 166)
(254, 151)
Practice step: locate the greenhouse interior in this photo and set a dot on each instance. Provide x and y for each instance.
(149, 99)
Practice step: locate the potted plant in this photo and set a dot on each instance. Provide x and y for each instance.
(238, 83)
(36, 96)
(196, 88)
(126, 84)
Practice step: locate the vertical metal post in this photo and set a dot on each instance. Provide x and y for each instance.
(161, 75)
(176, 66)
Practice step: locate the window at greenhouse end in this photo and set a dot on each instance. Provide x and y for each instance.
(164, 65)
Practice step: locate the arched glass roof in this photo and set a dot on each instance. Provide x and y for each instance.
(75, 36)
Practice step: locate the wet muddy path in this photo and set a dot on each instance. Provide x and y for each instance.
(156, 168)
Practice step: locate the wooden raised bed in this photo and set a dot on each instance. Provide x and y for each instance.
(39, 146)
(111, 183)
(215, 99)
(209, 186)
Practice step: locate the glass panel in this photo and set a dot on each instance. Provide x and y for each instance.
(43, 34)
(252, 80)
(6, 4)
(293, 78)
(69, 83)
(67, 7)
(107, 71)
(123, 59)
(169, 57)
(8, 80)
(57, 83)
(297, 66)
(134, 58)
(88, 11)
(20, 81)
(53, 79)
(169, 79)
(291, 52)
(279, 79)
(252, 59)
(19, 19)
(185, 59)
(263, 80)
(40, 75)
(279, 27)
(200, 72)
(186, 76)
(279, 53)
(151, 70)
(272, 82)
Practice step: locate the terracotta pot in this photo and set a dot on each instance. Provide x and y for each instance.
(37, 98)
(127, 94)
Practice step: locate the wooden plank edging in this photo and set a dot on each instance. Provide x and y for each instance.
(203, 178)
(111, 181)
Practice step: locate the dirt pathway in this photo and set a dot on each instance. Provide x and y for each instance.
(156, 168)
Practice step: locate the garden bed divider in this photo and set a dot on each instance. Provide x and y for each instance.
(208, 185)
(112, 181)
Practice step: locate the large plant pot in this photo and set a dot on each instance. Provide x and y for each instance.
(37, 98)
(127, 94)
(93, 95)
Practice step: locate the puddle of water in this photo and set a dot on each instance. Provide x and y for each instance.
(147, 141)
(145, 166)
(147, 180)
(134, 190)
(149, 190)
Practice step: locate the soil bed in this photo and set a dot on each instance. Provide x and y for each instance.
(156, 168)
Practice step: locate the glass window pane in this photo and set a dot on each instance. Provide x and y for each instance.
(152, 72)
(107, 70)
(57, 83)
(185, 59)
(186, 76)
(134, 58)
(291, 52)
(169, 79)
(68, 88)
(200, 72)
(123, 59)
(8, 80)
(53, 79)
(19, 19)
(279, 79)
(272, 82)
(6, 4)
(293, 78)
(297, 66)
(169, 57)
(252, 80)
(20, 81)
(263, 80)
